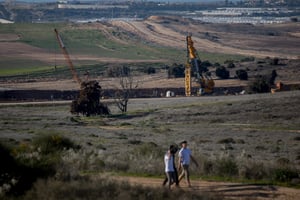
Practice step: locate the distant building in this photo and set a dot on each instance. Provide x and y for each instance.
(79, 5)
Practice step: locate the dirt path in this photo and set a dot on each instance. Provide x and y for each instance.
(225, 189)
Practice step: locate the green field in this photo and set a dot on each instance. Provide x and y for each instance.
(88, 41)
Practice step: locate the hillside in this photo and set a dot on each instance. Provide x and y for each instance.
(157, 41)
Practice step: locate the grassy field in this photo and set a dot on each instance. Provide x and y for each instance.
(245, 138)
(93, 42)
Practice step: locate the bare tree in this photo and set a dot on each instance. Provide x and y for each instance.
(125, 92)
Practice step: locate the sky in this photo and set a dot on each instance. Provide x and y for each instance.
(147, 0)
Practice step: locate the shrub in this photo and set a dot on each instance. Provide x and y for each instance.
(285, 174)
(253, 171)
(148, 153)
(28, 162)
(226, 167)
(217, 64)
(176, 71)
(263, 83)
(222, 72)
(53, 143)
(226, 141)
(205, 63)
(294, 19)
(242, 74)
(248, 59)
(274, 61)
(88, 103)
(117, 71)
(150, 70)
(230, 65)
(259, 85)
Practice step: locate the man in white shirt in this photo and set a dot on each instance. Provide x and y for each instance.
(185, 156)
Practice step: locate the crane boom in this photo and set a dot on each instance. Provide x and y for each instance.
(206, 84)
(67, 57)
(188, 71)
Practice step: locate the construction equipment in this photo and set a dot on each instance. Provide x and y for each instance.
(67, 57)
(279, 86)
(206, 83)
(88, 102)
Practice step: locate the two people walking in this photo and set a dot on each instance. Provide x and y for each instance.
(184, 159)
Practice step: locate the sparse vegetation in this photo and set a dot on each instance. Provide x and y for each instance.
(136, 142)
(125, 90)
(26, 162)
(88, 102)
(242, 74)
(232, 137)
(176, 71)
(222, 72)
(106, 189)
(150, 70)
(263, 83)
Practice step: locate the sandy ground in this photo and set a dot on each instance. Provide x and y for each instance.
(225, 190)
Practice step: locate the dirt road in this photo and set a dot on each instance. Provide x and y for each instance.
(226, 190)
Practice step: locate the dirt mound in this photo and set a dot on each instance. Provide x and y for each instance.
(165, 19)
(256, 41)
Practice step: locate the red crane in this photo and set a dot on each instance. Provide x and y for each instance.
(67, 57)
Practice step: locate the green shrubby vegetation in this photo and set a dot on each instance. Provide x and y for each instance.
(48, 168)
(262, 83)
(222, 72)
(92, 42)
(26, 162)
(52, 165)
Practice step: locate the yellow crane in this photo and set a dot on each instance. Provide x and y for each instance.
(67, 57)
(206, 83)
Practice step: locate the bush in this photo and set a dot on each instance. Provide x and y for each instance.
(242, 74)
(226, 167)
(176, 71)
(263, 83)
(248, 59)
(150, 70)
(259, 85)
(28, 162)
(226, 141)
(53, 143)
(217, 64)
(274, 61)
(148, 153)
(285, 174)
(253, 171)
(88, 103)
(222, 72)
(206, 63)
(294, 19)
(117, 71)
(230, 65)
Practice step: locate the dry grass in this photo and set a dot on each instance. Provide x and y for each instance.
(245, 137)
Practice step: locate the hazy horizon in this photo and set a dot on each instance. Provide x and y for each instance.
(36, 1)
